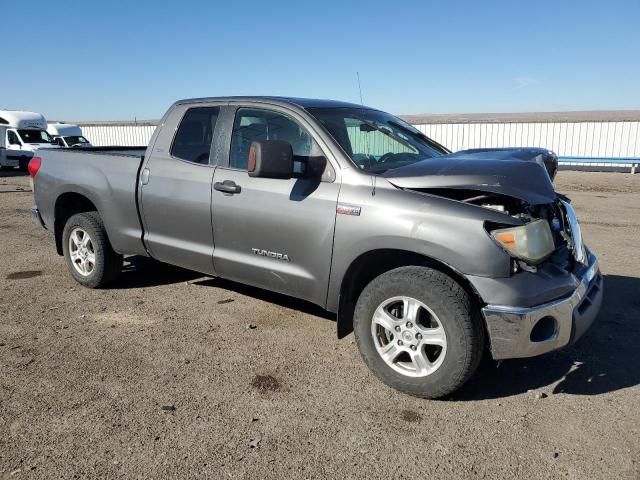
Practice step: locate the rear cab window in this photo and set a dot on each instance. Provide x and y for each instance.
(194, 136)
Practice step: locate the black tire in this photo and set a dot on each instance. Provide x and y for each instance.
(454, 310)
(108, 263)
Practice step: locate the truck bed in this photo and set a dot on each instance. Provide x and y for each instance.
(105, 176)
(115, 150)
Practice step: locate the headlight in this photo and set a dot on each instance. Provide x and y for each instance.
(532, 242)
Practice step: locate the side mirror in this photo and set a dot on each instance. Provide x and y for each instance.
(270, 159)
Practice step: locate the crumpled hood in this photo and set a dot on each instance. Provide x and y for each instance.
(492, 171)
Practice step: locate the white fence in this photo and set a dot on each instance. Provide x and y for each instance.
(129, 135)
(568, 139)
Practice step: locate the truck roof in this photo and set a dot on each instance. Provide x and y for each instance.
(19, 119)
(300, 102)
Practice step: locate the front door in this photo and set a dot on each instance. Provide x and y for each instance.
(176, 189)
(273, 233)
(13, 141)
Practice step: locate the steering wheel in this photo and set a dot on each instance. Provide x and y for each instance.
(385, 157)
(362, 160)
(202, 158)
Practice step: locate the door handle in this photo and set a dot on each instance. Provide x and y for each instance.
(144, 177)
(228, 186)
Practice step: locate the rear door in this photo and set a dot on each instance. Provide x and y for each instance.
(175, 189)
(273, 233)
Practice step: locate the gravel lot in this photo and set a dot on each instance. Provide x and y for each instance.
(162, 376)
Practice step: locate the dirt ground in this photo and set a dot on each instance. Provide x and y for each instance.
(163, 375)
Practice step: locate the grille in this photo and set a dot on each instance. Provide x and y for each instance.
(574, 232)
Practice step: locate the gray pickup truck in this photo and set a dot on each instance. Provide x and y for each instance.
(430, 257)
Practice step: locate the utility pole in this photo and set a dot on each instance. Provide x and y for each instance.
(359, 88)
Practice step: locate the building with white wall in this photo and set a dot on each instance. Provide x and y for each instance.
(599, 134)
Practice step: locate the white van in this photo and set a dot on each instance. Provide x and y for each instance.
(67, 135)
(22, 134)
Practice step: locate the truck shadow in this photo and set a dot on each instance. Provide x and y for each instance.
(268, 296)
(604, 360)
(141, 272)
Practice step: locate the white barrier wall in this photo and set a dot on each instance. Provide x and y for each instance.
(127, 135)
(567, 139)
(575, 139)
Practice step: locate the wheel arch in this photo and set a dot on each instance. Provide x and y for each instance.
(67, 205)
(373, 263)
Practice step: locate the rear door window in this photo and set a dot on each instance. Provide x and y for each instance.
(195, 134)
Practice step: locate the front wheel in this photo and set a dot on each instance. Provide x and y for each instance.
(416, 330)
(91, 260)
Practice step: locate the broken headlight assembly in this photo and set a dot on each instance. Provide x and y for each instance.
(532, 242)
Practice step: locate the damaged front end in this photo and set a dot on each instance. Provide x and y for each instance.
(554, 290)
(562, 246)
(514, 181)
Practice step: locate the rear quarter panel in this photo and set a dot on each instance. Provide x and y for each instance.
(108, 180)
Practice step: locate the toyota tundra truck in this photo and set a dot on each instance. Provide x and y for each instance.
(431, 258)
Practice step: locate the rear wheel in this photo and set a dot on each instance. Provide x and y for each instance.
(90, 258)
(417, 331)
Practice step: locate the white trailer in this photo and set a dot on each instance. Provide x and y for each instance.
(67, 135)
(21, 134)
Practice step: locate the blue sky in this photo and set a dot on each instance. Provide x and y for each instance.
(123, 59)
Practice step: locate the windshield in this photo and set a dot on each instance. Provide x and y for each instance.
(376, 141)
(34, 136)
(75, 140)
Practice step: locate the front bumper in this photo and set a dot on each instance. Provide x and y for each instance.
(517, 332)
